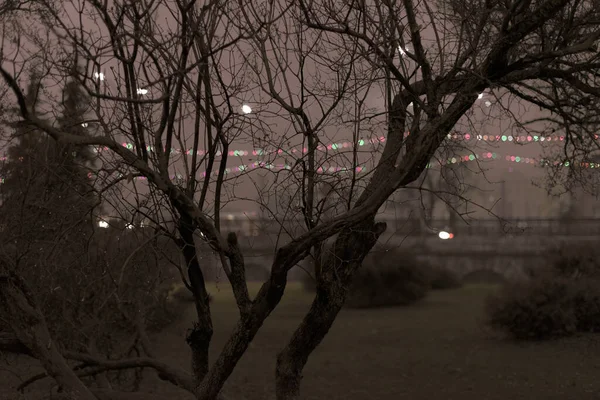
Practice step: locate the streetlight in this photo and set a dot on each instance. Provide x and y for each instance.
(445, 235)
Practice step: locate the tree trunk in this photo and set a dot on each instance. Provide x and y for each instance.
(264, 303)
(201, 334)
(349, 251)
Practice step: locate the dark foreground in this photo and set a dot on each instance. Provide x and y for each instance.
(435, 350)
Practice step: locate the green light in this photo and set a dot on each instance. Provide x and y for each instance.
(536, 138)
(518, 159)
(361, 142)
(334, 146)
(504, 138)
(567, 164)
(471, 157)
(494, 155)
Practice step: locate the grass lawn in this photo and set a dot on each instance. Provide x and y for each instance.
(435, 350)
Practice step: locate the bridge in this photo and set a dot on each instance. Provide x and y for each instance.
(508, 248)
(495, 227)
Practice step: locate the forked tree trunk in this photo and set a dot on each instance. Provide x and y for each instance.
(349, 251)
(201, 334)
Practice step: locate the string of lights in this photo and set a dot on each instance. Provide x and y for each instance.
(522, 139)
(485, 156)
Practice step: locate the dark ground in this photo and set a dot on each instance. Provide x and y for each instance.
(434, 350)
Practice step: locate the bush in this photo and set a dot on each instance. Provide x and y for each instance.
(586, 303)
(537, 310)
(484, 276)
(557, 301)
(164, 311)
(442, 278)
(388, 277)
(577, 262)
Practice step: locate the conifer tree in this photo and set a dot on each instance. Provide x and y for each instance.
(46, 191)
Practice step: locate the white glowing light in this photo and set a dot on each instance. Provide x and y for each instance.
(246, 109)
(142, 91)
(99, 75)
(488, 103)
(480, 96)
(129, 226)
(444, 235)
(85, 124)
(401, 51)
(103, 224)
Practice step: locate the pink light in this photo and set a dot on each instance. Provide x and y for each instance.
(124, 144)
(304, 150)
(529, 138)
(382, 139)
(279, 151)
(358, 169)
(512, 158)
(467, 136)
(329, 147)
(562, 138)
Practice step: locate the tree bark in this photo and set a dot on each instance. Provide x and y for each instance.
(349, 251)
(201, 334)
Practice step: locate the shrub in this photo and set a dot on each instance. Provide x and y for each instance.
(586, 303)
(484, 276)
(577, 261)
(388, 277)
(536, 310)
(443, 278)
(163, 312)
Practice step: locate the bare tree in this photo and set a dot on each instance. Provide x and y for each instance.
(437, 56)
